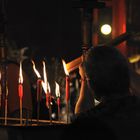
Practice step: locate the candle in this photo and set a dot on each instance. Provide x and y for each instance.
(45, 85)
(57, 92)
(47, 91)
(39, 90)
(48, 95)
(20, 90)
(67, 89)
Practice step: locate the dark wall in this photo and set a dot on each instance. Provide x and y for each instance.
(50, 28)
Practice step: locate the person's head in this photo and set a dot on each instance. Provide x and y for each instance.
(107, 70)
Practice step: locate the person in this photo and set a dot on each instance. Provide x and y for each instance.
(105, 76)
(105, 72)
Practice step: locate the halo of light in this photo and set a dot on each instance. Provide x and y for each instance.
(106, 29)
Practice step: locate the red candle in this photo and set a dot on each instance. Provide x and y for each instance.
(20, 85)
(58, 105)
(58, 102)
(67, 88)
(20, 90)
(47, 100)
(39, 89)
(48, 104)
(57, 92)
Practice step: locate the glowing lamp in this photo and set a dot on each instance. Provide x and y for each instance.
(106, 29)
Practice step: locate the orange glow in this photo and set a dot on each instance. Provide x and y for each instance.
(35, 70)
(65, 68)
(57, 89)
(20, 74)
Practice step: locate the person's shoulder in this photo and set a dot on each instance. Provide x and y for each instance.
(90, 125)
(88, 118)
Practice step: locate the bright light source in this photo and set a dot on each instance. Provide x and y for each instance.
(106, 29)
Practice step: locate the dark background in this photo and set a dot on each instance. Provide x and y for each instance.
(49, 28)
(52, 28)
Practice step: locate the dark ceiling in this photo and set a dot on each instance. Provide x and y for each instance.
(53, 28)
(50, 28)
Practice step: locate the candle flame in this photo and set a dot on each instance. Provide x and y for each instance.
(35, 70)
(46, 87)
(20, 74)
(45, 84)
(44, 73)
(57, 89)
(65, 68)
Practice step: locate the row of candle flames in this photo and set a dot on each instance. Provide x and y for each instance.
(46, 87)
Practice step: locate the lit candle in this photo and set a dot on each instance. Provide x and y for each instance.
(45, 85)
(47, 91)
(67, 88)
(57, 92)
(39, 90)
(20, 90)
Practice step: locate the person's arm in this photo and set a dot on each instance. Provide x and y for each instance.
(86, 98)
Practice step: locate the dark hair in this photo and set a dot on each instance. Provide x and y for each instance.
(107, 70)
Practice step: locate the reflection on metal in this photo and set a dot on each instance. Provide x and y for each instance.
(134, 58)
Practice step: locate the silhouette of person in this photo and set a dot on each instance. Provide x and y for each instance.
(105, 76)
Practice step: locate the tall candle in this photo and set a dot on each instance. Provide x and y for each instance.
(58, 107)
(39, 90)
(57, 92)
(47, 100)
(20, 91)
(67, 88)
(47, 91)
